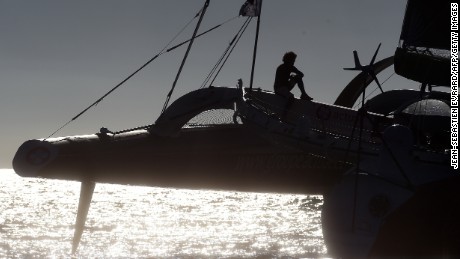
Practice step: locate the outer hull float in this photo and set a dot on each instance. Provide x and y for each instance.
(227, 157)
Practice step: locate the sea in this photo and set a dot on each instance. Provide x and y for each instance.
(37, 219)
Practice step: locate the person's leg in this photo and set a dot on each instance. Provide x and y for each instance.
(292, 83)
(299, 81)
(300, 84)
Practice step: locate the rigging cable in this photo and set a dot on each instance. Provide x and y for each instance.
(227, 53)
(208, 77)
(168, 97)
(124, 80)
(213, 28)
(168, 50)
(375, 89)
(234, 45)
(254, 53)
(410, 186)
(361, 113)
(163, 51)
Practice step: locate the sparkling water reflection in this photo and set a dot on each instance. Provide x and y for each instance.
(37, 220)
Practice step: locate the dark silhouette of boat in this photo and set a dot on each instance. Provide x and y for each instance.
(378, 166)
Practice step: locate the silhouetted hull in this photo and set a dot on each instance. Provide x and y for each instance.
(426, 226)
(227, 157)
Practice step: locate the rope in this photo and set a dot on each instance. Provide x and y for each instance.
(168, 50)
(358, 162)
(254, 53)
(133, 129)
(393, 157)
(123, 81)
(409, 186)
(375, 89)
(179, 33)
(213, 28)
(164, 50)
(220, 59)
(225, 61)
(226, 53)
(352, 135)
(168, 97)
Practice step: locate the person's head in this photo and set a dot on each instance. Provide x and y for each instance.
(289, 57)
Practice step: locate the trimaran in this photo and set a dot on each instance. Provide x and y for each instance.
(378, 166)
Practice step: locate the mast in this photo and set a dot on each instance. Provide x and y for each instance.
(254, 55)
(203, 11)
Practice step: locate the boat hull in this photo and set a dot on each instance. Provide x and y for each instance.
(228, 157)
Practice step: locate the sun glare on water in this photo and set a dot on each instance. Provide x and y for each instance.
(37, 220)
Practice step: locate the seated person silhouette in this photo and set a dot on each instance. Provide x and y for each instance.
(287, 76)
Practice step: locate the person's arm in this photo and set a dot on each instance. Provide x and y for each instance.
(298, 72)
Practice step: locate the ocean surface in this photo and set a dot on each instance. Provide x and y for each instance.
(37, 220)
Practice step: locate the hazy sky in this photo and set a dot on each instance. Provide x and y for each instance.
(59, 56)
